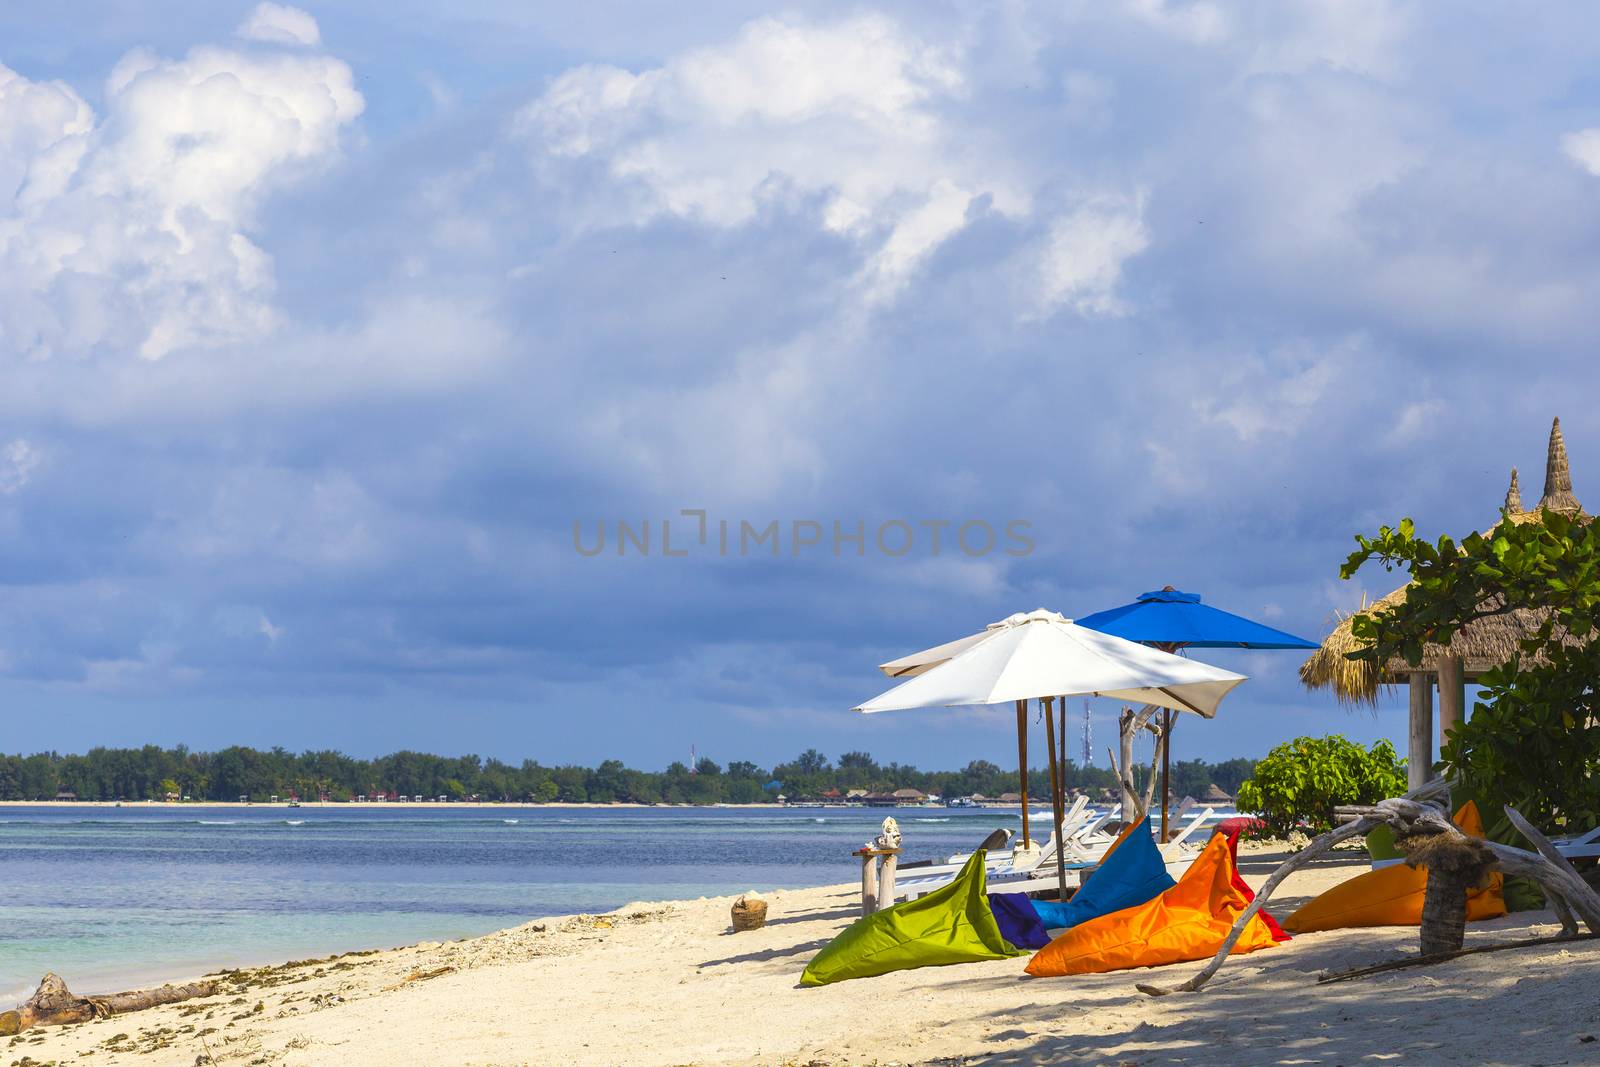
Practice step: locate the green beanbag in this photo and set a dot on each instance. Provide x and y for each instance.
(950, 925)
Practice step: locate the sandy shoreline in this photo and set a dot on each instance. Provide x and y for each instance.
(668, 984)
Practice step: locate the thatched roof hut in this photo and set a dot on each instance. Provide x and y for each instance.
(1474, 649)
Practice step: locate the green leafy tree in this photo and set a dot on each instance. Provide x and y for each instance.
(1300, 783)
(1533, 739)
(1231, 773)
(811, 762)
(150, 771)
(1190, 777)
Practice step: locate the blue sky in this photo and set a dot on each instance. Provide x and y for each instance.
(322, 326)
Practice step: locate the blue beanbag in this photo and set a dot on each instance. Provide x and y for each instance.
(1133, 874)
(1019, 923)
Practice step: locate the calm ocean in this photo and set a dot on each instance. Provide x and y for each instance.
(113, 897)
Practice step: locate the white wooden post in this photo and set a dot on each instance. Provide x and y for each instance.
(869, 882)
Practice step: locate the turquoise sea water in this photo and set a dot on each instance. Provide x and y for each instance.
(113, 897)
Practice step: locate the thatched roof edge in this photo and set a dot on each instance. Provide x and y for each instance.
(1484, 644)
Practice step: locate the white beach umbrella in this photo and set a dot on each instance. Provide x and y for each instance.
(1042, 655)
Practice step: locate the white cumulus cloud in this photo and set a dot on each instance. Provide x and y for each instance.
(17, 462)
(1081, 264)
(131, 232)
(280, 24)
(846, 112)
(1199, 22)
(1583, 148)
(43, 126)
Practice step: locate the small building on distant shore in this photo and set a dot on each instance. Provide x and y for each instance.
(1214, 795)
(910, 797)
(65, 794)
(1011, 798)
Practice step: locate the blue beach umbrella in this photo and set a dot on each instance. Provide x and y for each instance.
(1169, 620)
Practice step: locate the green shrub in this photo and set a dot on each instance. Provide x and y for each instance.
(1300, 783)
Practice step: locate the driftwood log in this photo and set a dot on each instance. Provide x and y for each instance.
(1572, 898)
(1129, 723)
(53, 1004)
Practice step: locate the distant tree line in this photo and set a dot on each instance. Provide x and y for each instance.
(152, 773)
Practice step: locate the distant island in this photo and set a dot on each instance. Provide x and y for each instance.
(237, 773)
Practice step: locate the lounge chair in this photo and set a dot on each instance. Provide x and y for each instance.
(992, 846)
(1579, 846)
(1081, 846)
(1178, 854)
(1076, 820)
(1019, 864)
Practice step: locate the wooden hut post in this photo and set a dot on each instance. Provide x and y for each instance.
(1022, 762)
(1419, 753)
(1452, 696)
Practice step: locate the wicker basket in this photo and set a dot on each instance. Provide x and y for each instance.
(749, 913)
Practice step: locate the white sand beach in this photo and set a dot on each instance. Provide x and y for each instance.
(670, 984)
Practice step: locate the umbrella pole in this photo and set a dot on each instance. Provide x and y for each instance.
(1061, 756)
(1167, 717)
(1056, 771)
(1022, 763)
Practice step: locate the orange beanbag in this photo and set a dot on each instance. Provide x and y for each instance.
(1187, 922)
(1392, 896)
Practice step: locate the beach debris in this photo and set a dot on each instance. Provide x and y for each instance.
(420, 976)
(749, 912)
(53, 1004)
(1569, 895)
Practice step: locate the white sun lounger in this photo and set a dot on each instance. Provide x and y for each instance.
(1579, 846)
(1027, 865)
(1177, 852)
(1179, 855)
(1075, 822)
(1083, 850)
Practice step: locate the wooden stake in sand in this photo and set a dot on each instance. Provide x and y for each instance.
(53, 1004)
(1455, 865)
